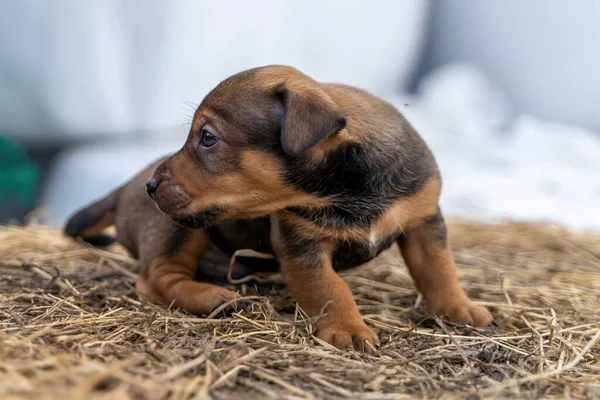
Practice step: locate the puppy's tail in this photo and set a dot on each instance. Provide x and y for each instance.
(90, 222)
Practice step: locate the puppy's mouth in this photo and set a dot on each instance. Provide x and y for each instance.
(200, 219)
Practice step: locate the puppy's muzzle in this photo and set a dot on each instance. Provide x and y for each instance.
(169, 197)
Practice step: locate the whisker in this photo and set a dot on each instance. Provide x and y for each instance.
(191, 105)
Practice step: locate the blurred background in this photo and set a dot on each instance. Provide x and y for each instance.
(507, 94)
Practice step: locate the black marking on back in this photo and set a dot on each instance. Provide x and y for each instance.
(363, 183)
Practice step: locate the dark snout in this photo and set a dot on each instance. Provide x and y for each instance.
(152, 186)
(160, 176)
(169, 194)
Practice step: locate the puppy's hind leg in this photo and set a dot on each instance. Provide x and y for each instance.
(169, 279)
(429, 260)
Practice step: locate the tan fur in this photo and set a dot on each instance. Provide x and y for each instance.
(253, 192)
(171, 280)
(407, 212)
(432, 267)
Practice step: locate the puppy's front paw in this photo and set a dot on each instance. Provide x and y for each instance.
(348, 336)
(465, 313)
(199, 298)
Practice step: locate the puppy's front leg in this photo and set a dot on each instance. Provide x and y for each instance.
(306, 266)
(169, 278)
(429, 260)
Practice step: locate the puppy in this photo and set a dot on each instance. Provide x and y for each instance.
(176, 262)
(339, 174)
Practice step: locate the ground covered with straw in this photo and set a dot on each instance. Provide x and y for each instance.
(71, 326)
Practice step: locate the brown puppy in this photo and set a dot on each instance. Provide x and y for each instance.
(176, 262)
(340, 174)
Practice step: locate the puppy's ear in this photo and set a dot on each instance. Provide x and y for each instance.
(309, 116)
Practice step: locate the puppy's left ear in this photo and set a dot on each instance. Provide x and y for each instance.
(309, 117)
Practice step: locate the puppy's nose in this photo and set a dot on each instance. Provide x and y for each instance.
(152, 186)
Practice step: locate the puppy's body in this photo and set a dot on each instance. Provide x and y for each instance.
(340, 175)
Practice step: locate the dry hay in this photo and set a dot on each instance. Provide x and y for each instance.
(71, 326)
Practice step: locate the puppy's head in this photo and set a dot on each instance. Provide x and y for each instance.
(235, 161)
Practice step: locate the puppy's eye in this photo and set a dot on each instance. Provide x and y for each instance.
(208, 139)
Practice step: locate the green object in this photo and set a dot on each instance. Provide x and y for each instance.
(19, 177)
